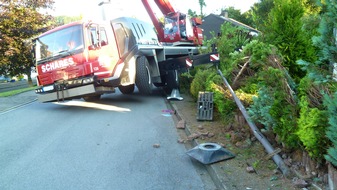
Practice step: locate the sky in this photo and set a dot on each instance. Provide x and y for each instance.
(134, 8)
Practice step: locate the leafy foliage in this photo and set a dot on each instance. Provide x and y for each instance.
(283, 109)
(316, 88)
(19, 22)
(275, 103)
(208, 80)
(284, 30)
(202, 4)
(259, 111)
(199, 82)
(223, 100)
(326, 41)
(232, 39)
(286, 72)
(311, 129)
(237, 15)
(260, 12)
(331, 104)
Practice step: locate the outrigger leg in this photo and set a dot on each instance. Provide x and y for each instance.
(173, 83)
(175, 95)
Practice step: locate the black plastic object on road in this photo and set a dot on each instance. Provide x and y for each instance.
(208, 153)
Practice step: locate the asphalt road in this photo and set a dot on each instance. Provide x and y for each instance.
(121, 142)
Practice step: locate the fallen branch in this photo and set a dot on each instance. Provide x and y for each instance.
(241, 71)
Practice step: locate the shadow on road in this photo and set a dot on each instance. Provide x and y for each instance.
(116, 102)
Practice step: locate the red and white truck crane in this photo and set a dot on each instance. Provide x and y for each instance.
(86, 59)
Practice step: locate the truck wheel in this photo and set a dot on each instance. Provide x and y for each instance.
(92, 98)
(127, 89)
(143, 76)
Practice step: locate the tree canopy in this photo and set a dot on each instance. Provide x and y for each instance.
(20, 21)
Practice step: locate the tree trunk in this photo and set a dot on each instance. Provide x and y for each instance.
(29, 77)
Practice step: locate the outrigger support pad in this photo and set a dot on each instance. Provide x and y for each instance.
(209, 153)
(175, 95)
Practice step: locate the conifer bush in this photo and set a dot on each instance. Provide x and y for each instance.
(209, 80)
(199, 81)
(275, 104)
(259, 111)
(222, 98)
(331, 104)
(318, 104)
(312, 119)
(311, 129)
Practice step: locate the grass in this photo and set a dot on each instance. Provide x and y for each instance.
(18, 91)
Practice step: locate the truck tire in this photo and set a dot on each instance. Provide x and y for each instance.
(127, 89)
(92, 98)
(143, 76)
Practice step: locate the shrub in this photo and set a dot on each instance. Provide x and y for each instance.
(284, 30)
(276, 104)
(185, 80)
(222, 99)
(199, 81)
(259, 111)
(209, 80)
(331, 104)
(311, 129)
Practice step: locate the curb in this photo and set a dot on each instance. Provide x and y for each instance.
(211, 169)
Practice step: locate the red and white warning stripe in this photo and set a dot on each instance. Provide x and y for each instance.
(214, 57)
(189, 62)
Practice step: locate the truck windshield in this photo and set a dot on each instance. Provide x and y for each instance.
(170, 25)
(66, 40)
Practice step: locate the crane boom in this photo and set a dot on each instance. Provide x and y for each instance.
(154, 19)
(178, 28)
(165, 6)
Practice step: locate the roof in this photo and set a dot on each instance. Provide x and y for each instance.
(213, 22)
